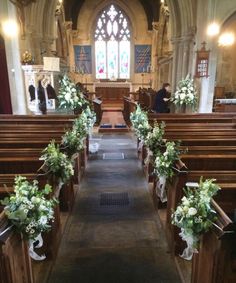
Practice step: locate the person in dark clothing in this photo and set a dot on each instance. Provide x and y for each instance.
(161, 99)
(42, 98)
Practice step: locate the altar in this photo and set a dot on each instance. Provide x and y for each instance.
(112, 92)
(225, 105)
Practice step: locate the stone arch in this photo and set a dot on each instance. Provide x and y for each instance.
(90, 19)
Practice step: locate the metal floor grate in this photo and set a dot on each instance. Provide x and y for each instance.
(116, 199)
(113, 156)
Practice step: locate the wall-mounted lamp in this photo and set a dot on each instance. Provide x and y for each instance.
(10, 28)
(213, 29)
(226, 39)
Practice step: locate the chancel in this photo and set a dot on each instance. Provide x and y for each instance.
(117, 141)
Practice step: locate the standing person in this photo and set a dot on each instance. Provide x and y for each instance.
(161, 99)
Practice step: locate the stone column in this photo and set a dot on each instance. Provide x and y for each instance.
(18, 98)
(177, 61)
(154, 55)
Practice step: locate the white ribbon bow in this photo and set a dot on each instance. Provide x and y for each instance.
(149, 156)
(190, 240)
(32, 253)
(161, 188)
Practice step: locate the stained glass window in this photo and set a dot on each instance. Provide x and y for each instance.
(112, 44)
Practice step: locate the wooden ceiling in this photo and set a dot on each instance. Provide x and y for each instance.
(151, 8)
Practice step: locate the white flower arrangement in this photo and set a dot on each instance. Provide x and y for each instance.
(186, 93)
(154, 140)
(195, 215)
(139, 120)
(72, 143)
(69, 96)
(57, 163)
(90, 117)
(165, 161)
(28, 209)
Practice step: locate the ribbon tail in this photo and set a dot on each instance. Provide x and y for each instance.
(32, 253)
(161, 189)
(189, 250)
(58, 189)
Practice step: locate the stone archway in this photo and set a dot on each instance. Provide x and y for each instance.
(226, 62)
(5, 96)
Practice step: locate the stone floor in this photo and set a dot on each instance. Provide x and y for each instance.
(113, 234)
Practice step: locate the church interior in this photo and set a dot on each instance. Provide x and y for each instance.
(117, 141)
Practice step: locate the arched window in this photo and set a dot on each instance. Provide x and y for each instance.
(112, 44)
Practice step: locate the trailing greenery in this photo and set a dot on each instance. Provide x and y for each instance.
(194, 215)
(28, 210)
(57, 163)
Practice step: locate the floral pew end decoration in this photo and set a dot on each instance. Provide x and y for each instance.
(139, 120)
(73, 140)
(154, 141)
(195, 216)
(90, 117)
(56, 164)
(186, 94)
(29, 212)
(164, 164)
(69, 96)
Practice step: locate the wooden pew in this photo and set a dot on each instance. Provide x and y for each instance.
(14, 257)
(51, 238)
(225, 197)
(216, 259)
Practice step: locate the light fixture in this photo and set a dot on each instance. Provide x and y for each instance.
(163, 1)
(213, 29)
(226, 39)
(10, 28)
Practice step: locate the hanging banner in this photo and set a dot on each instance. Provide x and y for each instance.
(142, 58)
(83, 59)
(202, 62)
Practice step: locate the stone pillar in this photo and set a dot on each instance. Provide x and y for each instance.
(154, 55)
(177, 62)
(18, 98)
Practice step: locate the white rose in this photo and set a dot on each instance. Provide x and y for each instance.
(192, 211)
(43, 220)
(67, 96)
(182, 96)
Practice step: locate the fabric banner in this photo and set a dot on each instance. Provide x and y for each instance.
(83, 59)
(142, 58)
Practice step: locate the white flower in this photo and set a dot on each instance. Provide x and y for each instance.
(182, 96)
(185, 201)
(43, 220)
(68, 96)
(192, 211)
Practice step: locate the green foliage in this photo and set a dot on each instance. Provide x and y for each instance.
(28, 209)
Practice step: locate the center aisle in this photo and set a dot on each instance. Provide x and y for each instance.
(113, 234)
